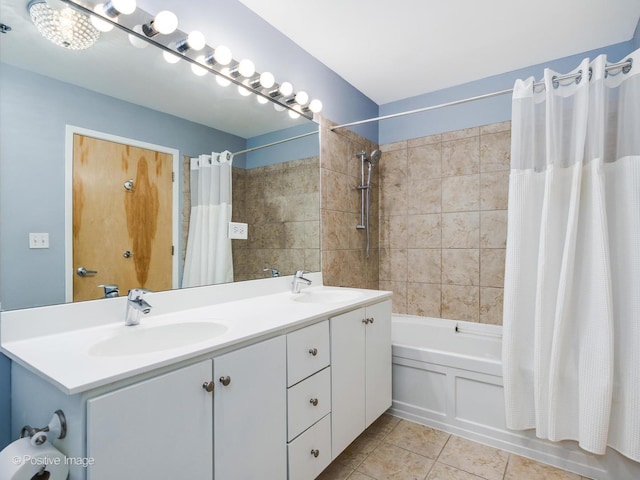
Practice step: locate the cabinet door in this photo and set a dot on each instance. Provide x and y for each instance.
(158, 428)
(250, 415)
(378, 362)
(347, 379)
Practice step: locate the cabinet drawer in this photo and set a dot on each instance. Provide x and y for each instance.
(307, 352)
(308, 402)
(310, 453)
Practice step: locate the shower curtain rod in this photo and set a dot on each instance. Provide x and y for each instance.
(274, 143)
(625, 65)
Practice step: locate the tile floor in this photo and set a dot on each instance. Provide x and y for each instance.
(395, 449)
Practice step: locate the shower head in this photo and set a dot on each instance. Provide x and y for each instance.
(375, 157)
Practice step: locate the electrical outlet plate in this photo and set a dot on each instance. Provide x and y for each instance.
(238, 230)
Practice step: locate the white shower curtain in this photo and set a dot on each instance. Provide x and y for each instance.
(571, 348)
(208, 258)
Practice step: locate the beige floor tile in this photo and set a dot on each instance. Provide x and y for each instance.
(359, 449)
(520, 468)
(388, 462)
(440, 471)
(475, 458)
(383, 425)
(336, 471)
(418, 439)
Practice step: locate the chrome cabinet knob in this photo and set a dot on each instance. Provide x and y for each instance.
(371, 320)
(314, 402)
(208, 386)
(367, 321)
(225, 380)
(313, 351)
(315, 453)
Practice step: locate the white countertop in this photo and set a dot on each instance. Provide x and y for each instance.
(61, 353)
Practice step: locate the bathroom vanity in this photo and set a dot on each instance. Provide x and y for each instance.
(273, 385)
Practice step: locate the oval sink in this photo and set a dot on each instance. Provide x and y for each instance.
(139, 339)
(325, 296)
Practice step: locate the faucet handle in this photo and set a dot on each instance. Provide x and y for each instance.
(137, 293)
(300, 273)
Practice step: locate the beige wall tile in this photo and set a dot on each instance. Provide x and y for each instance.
(424, 299)
(424, 195)
(294, 235)
(461, 266)
(393, 264)
(429, 139)
(399, 300)
(393, 184)
(495, 127)
(461, 193)
(424, 231)
(494, 190)
(394, 232)
(461, 230)
(464, 133)
(460, 303)
(312, 234)
(424, 265)
(491, 305)
(390, 147)
(495, 152)
(492, 262)
(425, 161)
(461, 157)
(493, 229)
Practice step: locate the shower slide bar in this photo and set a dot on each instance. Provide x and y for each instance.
(625, 66)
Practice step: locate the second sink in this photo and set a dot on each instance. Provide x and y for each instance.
(141, 339)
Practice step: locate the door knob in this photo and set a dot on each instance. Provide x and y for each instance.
(83, 272)
(225, 380)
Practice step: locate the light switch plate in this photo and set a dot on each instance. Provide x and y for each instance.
(38, 240)
(238, 230)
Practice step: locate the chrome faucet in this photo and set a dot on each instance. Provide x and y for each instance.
(136, 304)
(297, 279)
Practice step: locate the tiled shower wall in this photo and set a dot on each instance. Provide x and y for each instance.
(344, 261)
(281, 205)
(443, 219)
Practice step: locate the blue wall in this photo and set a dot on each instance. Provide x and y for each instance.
(305, 147)
(636, 37)
(480, 112)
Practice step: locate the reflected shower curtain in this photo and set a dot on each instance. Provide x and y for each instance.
(571, 348)
(208, 258)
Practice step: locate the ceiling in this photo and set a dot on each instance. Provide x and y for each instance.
(391, 50)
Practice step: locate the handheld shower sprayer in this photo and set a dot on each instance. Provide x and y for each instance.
(365, 190)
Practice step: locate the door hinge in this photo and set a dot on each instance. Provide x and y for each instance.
(173, 250)
(173, 176)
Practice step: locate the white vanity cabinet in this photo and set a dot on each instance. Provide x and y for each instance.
(157, 428)
(308, 401)
(250, 413)
(171, 426)
(361, 371)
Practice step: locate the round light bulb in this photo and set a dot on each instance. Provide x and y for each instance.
(135, 41)
(262, 100)
(315, 106)
(293, 114)
(196, 40)
(278, 107)
(286, 89)
(246, 68)
(165, 22)
(199, 71)
(222, 55)
(223, 82)
(101, 24)
(267, 80)
(302, 98)
(126, 7)
(170, 57)
(245, 92)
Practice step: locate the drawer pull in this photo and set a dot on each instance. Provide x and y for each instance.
(208, 386)
(313, 351)
(225, 380)
(314, 402)
(315, 453)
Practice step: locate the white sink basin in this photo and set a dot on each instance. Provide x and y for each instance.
(325, 296)
(140, 339)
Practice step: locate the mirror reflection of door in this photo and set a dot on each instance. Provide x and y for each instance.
(122, 217)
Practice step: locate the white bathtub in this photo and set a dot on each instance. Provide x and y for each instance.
(448, 375)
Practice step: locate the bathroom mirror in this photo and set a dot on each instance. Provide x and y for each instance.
(120, 90)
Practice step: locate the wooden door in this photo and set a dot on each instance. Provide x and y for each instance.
(110, 220)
